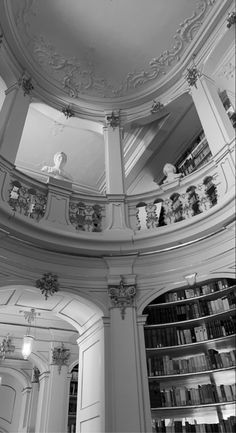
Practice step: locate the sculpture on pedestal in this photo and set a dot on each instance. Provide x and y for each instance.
(169, 171)
(57, 170)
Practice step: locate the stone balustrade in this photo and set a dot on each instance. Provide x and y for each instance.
(177, 201)
(168, 204)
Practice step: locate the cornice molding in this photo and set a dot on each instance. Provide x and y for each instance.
(93, 107)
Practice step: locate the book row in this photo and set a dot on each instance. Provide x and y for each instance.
(174, 336)
(205, 289)
(74, 375)
(202, 362)
(183, 396)
(177, 426)
(73, 388)
(194, 310)
(71, 428)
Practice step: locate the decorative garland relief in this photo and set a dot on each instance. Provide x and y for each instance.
(78, 76)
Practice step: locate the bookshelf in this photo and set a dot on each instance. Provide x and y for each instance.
(197, 154)
(73, 391)
(191, 358)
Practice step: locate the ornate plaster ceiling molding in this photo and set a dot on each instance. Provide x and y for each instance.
(77, 75)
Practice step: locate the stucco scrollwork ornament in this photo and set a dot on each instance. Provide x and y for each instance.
(6, 347)
(113, 119)
(26, 84)
(192, 76)
(231, 19)
(78, 75)
(68, 112)
(35, 375)
(156, 106)
(48, 284)
(60, 356)
(122, 296)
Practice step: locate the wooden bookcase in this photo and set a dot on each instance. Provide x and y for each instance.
(197, 154)
(190, 350)
(71, 426)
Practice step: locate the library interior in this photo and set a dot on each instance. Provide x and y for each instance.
(117, 216)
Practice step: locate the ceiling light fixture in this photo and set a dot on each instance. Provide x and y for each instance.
(28, 339)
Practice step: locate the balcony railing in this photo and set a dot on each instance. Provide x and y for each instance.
(169, 204)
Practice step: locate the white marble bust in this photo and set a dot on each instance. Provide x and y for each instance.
(57, 169)
(169, 171)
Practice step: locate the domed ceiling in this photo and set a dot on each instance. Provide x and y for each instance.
(99, 56)
(112, 49)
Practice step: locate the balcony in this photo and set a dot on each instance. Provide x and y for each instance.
(58, 218)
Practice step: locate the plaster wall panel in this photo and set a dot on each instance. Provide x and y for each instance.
(91, 380)
(89, 426)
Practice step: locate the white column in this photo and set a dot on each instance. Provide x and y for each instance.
(141, 320)
(214, 119)
(33, 407)
(115, 178)
(23, 421)
(56, 413)
(127, 398)
(40, 425)
(114, 164)
(91, 382)
(12, 119)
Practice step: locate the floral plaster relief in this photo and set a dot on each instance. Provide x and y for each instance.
(82, 71)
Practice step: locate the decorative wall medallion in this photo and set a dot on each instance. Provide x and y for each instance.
(192, 76)
(60, 356)
(68, 112)
(231, 19)
(35, 375)
(79, 75)
(122, 296)
(48, 284)
(26, 85)
(6, 347)
(156, 106)
(113, 120)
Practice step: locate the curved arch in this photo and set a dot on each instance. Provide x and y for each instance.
(76, 309)
(173, 286)
(17, 374)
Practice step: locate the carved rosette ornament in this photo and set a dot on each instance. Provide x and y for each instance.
(122, 296)
(192, 76)
(231, 19)
(48, 284)
(68, 112)
(60, 356)
(113, 120)
(156, 106)
(26, 85)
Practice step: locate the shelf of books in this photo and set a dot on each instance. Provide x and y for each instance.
(71, 426)
(197, 154)
(190, 350)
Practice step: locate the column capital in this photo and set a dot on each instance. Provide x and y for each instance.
(122, 296)
(112, 119)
